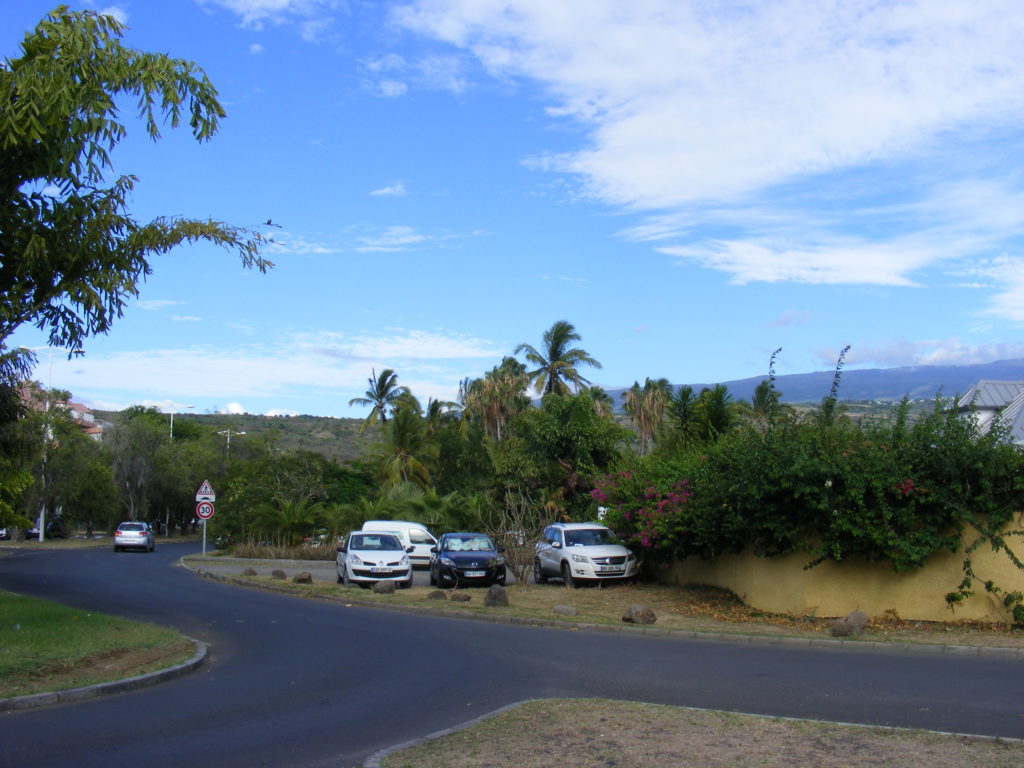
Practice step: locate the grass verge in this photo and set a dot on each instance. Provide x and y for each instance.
(595, 732)
(48, 647)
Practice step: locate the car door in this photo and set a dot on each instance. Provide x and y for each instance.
(547, 554)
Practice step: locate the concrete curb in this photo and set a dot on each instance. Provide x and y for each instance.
(53, 698)
(796, 642)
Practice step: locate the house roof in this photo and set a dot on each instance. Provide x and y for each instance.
(997, 401)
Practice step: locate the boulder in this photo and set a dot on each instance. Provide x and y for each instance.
(279, 574)
(437, 594)
(564, 610)
(249, 572)
(639, 614)
(850, 625)
(496, 597)
(305, 577)
(459, 597)
(384, 588)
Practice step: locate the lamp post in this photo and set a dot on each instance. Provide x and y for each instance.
(172, 419)
(229, 432)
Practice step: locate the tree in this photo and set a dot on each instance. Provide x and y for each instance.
(558, 361)
(646, 407)
(134, 443)
(408, 453)
(496, 398)
(382, 395)
(71, 254)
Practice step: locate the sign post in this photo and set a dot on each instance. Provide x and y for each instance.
(204, 506)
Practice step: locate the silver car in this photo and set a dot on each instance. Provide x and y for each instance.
(134, 535)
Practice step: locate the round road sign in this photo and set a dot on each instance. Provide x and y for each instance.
(204, 510)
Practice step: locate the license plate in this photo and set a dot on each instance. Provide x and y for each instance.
(378, 569)
(475, 574)
(609, 569)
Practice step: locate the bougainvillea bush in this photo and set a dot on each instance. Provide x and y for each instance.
(885, 490)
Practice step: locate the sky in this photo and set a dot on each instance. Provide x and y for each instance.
(692, 185)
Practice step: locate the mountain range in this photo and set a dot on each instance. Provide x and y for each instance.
(919, 382)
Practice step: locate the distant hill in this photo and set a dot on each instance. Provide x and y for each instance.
(920, 382)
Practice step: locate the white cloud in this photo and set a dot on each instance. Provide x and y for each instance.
(695, 115)
(186, 319)
(254, 14)
(688, 102)
(117, 12)
(927, 352)
(392, 88)
(156, 304)
(332, 364)
(256, 49)
(282, 242)
(398, 238)
(391, 190)
(234, 408)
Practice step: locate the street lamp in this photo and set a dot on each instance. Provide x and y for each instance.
(229, 432)
(172, 419)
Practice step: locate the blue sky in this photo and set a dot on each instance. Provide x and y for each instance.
(692, 185)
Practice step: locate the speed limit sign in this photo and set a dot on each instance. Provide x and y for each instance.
(204, 510)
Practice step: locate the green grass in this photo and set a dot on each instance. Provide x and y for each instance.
(45, 646)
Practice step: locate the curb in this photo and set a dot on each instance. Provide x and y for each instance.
(992, 652)
(52, 698)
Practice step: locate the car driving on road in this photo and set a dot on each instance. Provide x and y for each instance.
(370, 556)
(134, 535)
(461, 559)
(582, 552)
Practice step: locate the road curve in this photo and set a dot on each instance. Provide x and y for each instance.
(303, 683)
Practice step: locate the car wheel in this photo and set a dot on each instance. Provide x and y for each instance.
(407, 584)
(433, 578)
(538, 573)
(567, 576)
(344, 577)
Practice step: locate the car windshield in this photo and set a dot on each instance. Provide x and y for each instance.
(131, 527)
(472, 542)
(375, 542)
(590, 537)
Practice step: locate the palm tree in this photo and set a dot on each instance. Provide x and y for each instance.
(382, 395)
(409, 454)
(493, 400)
(646, 407)
(558, 361)
(604, 404)
(714, 411)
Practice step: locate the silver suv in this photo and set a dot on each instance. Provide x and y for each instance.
(576, 552)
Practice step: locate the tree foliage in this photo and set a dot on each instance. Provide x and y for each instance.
(71, 253)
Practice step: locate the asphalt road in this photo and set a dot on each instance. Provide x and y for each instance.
(300, 683)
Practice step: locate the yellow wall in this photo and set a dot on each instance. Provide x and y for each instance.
(781, 585)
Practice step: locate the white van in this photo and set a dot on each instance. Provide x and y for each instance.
(415, 535)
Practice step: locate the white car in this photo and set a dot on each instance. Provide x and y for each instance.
(134, 535)
(578, 552)
(415, 535)
(370, 556)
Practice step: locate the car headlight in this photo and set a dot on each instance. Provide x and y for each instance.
(580, 558)
(354, 560)
(631, 557)
(447, 561)
(498, 561)
(404, 560)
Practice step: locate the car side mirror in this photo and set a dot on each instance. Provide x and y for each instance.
(410, 548)
(434, 550)
(341, 549)
(500, 549)
(556, 544)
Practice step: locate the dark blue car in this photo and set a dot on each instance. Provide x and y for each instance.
(462, 559)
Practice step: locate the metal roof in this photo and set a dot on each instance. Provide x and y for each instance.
(997, 402)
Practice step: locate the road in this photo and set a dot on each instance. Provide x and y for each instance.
(301, 683)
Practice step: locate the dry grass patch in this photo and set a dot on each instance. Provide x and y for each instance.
(605, 734)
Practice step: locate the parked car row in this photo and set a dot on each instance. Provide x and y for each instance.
(388, 550)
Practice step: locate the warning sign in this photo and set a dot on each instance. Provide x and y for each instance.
(205, 492)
